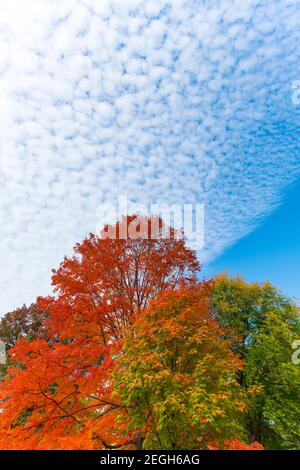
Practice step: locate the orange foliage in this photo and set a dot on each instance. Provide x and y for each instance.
(58, 391)
(235, 444)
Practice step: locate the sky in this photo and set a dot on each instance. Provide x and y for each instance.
(163, 102)
(271, 252)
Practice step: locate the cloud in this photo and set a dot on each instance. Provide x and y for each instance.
(182, 101)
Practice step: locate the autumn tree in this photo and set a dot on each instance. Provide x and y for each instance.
(58, 394)
(109, 277)
(133, 346)
(261, 324)
(24, 322)
(177, 379)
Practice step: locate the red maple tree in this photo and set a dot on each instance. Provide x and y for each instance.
(59, 388)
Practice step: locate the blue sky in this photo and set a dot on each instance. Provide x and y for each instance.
(182, 101)
(271, 252)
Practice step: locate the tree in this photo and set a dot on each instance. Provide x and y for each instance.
(261, 324)
(58, 393)
(177, 379)
(107, 280)
(133, 347)
(29, 322)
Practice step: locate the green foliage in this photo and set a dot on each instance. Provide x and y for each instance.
(177, 377)
(262, 324)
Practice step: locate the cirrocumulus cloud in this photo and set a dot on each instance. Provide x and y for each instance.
(176, 101)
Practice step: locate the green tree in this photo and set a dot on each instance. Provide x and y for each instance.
(261, 324)
(177, 377)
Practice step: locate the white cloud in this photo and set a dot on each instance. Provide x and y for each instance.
(181, 101)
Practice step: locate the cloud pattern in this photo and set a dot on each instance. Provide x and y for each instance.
(162, 101)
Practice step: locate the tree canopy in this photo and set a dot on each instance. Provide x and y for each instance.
(262, 324)
(132, 351)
